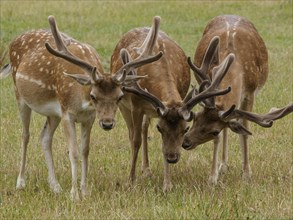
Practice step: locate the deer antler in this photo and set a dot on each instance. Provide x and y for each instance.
(136, 89)
(144, 51)
(219, 72)
(63, 51)
(264, 120)
(201, 74)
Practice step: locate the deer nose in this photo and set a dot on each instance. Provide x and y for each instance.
(172, 158)
(107, 125)
(186, 144)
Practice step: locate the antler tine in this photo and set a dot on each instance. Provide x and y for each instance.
(130, 66)
(211, 91)
(204, 95)
(63, 51)
(207, 60)
(264, 120)
(147, 46)
(136, 89)
(220, 71)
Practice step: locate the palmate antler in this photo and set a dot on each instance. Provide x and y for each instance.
(264, 120)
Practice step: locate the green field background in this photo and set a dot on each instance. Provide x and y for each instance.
(101, 24)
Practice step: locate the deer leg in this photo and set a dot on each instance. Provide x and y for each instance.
(70, 134)
(85, 141)
(167, 185)
(224, 164)
(25, 115)
(145, 159)
(213, 179)
(246, 105)
(46, 142)
(137, 118)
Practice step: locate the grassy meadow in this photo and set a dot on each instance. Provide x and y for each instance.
(101, 24)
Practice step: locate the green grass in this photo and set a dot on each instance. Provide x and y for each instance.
(101, 24)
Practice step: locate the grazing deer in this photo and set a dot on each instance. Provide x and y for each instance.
(72, 92)
(246, 76)
(160, 94)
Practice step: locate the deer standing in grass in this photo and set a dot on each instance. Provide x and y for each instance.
(159, 95)
(246, 76)
(72, 92)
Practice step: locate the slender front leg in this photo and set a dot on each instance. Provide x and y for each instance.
(25, 115)
(224, 164)
(214, 174)
(137, 118)
(145, 159)
(246, 175)
(46, 142)
(85, 141)
(70, 134)
(167, 185)
(246, 105)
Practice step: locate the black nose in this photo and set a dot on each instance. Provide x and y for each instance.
(186, 144)
(172, 158)
(107, 125)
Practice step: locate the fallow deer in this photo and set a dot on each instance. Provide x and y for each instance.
(160, 94)
(77, 91)
(246, 76)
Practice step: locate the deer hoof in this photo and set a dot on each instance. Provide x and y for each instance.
(20, 183)
(213, 180)
(223, 168)
(167, 187)
(56, 188)
(147, 172)
(74, 195)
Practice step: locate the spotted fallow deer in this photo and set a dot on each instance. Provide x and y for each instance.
(72, 92)
(246, 76)
(159, 95)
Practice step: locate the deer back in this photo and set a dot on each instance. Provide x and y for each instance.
(168, 78)
(249, 71)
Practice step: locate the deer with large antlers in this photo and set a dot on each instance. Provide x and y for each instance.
(73, 89)
(246, 76)
(161, 94)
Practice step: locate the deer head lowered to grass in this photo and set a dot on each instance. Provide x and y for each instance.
(247, 75)
(161, 94)
(72, 91)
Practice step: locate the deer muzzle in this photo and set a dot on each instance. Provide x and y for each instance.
(172, 157)
(107, 124)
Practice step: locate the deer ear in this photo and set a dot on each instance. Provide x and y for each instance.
(81, 79)
(238, 128)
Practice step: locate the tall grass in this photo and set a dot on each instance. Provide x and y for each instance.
(101, 24)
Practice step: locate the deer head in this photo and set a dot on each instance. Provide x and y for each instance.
(105, 89)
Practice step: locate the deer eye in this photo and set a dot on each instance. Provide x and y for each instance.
(119, 98)
(186, 129)
(159, 128)
(93, 97)
(215, 133)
